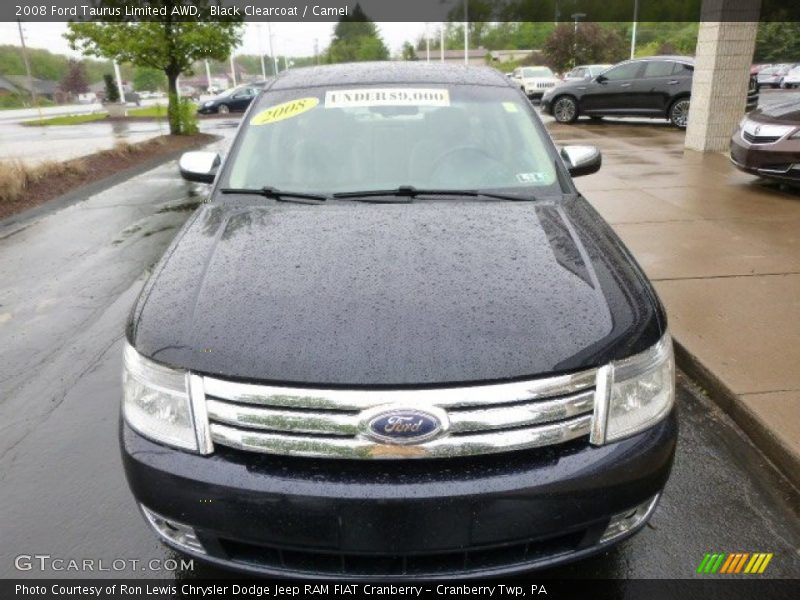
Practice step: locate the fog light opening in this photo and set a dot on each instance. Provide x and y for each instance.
(623, 523)
(175, 533)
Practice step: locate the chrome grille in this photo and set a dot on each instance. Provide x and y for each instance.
(332, 423)
(760, 139)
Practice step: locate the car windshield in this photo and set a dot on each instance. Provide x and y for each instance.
(344, 139)
(537, 72)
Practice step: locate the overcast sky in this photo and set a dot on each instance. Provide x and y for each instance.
(293, 39)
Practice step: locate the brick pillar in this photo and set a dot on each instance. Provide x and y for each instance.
(725, 46)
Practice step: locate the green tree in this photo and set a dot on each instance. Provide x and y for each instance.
(777, 42)
(168, 44)
(408, 52)
(591, 44)
(356, 38)
(112, 92)
(75, 81)
(146, 78)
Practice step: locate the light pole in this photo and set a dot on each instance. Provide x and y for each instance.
(577, 17)
(271, 52)
(233, 70)
(427, 44)
(441, 43)
(466, 32)
(633, 31)
(261, 52)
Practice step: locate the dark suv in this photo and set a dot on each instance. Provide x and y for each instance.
(658, 87)
(396, 342)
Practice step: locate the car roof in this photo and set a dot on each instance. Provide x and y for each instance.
(673, 57)
(389, 72)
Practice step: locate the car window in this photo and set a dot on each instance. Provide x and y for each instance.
(579, 72)
(381, 137)
(626, 71)
(658, 68)
(682, 69)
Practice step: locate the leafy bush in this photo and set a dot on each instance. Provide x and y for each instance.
(112, 93)
(187, 114)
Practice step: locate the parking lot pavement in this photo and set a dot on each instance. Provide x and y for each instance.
(69, 281)
(723, 250)
(62, 142)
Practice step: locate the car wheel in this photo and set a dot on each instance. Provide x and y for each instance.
(679, 113)
(223, 109)
(565, 109)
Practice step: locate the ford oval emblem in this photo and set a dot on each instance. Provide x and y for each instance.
(404, 425)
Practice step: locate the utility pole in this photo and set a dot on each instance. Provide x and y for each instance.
(441, 43)
(466, 32)
(233, 70)
(427, 44)
(633, 31)
(316, 50)
(119, 82)
(261, 52)
(271, 51)
(208, 76)
(28, 70)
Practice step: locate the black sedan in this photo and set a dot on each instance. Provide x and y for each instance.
(233, 100)
(396, 342)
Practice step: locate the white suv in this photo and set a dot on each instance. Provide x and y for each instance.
(535, 80)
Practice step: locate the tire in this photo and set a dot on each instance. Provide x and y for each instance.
(679, 112)
(565, 109)
(223, 109)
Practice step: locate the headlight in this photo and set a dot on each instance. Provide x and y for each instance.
(639, 392)
(156, 401)
(209, 103)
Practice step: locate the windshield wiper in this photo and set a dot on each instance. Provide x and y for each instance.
(410, 192)
(279, 195)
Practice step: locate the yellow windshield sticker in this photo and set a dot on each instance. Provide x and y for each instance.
(287, 110)
(510, 106)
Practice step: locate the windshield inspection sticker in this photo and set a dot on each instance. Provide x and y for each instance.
(387, 97)
(531, 177)
(287, 110)
(510, 107)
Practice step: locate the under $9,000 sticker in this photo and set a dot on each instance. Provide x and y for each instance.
(286, 110)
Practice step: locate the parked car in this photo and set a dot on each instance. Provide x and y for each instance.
(534, 80)
(236, 99)
(792, 78)
(773, 76)
(396, 342)
(767, 142)
(754, 69)
(658, 87)
(582, 72)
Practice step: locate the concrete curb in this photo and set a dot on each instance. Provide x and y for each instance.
(16, 223)
(786, 461)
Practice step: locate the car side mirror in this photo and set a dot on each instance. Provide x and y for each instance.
(199, 166)
(581, 160)
(600, 79)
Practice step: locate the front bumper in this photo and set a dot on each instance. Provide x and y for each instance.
(547, 105)
(476, 516)
(773, 161)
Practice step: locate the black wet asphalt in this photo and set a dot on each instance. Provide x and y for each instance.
(68, 281)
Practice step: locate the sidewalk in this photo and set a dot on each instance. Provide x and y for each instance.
(724, 254)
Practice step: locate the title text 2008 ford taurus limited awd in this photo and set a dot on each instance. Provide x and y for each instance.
(396, 342)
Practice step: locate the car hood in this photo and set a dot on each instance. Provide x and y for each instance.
(426, 293)
(785, 113)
